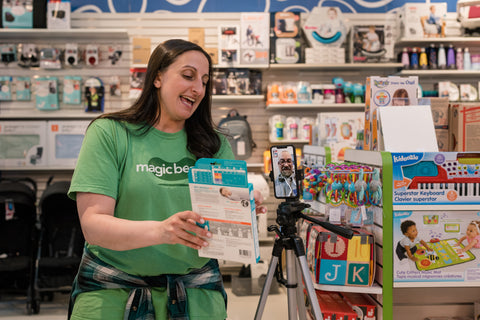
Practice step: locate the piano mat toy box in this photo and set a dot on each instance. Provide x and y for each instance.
(384, 92)
(221, 194)
(426, 178)
(446, 258)
(335, 260)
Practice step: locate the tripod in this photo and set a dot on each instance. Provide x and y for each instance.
(288, 213)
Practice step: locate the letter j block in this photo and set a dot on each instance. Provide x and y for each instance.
(332, 272)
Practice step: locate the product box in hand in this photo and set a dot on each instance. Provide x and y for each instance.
(384, 92)
(221, 194)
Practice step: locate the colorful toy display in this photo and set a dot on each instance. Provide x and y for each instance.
(335, 260)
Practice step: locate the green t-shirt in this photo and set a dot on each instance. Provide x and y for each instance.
(148, 177)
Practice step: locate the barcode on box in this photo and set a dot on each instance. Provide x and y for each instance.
(245, 253)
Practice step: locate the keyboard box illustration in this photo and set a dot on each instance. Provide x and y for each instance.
(440, 251)
(436, 178)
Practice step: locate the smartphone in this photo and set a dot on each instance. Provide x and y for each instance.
(284, 170)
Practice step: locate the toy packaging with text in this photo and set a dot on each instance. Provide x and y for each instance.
(221, 194)
(441, 251)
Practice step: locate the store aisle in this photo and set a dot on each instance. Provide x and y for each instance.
(239, 308)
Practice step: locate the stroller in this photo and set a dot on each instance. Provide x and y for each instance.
(60, 243)
(18, 212)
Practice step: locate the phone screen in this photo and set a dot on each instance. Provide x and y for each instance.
(284, 172)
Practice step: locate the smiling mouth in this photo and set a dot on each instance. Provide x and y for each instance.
(188, 100)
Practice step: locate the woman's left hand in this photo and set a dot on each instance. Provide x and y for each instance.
(258, 201)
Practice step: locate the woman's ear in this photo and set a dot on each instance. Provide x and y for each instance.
(157, 81)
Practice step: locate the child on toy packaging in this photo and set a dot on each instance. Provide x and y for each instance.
(408, 245)
(472, 235)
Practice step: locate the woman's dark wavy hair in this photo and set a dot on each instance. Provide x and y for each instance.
(202, 139)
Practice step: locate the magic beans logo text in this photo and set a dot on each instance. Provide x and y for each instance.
(165, 170)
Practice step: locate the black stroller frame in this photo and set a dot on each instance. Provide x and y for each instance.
(60, 243)
(18, 213)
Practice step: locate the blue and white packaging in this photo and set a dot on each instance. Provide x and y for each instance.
(46, 93)
(58, 14)
(23, 88)
(220, 192)
(72, 93)
(24, 143)
(65, 140)
(5, 88)
(17, 14)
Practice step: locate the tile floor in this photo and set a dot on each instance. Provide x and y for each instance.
(239, 307)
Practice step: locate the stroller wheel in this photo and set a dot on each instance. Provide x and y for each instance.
(33, 307)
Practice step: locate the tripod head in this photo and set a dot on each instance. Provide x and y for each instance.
(288, 213)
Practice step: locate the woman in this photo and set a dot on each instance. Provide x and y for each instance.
(131, 188)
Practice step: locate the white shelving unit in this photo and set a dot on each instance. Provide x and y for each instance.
(318, 106)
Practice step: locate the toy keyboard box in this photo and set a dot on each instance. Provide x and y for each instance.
(220, 192)
(335, 260)
(436, 178)
(23, 143)
(65, 140)
(447, 257)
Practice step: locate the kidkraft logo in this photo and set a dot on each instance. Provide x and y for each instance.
(403, 158)
(380, 83)
(165, 170)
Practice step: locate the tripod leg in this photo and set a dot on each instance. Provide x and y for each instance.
(312, 296)
(302, 310)
(291, 284)
(266, 288)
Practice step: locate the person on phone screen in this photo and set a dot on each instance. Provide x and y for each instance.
(285, 182)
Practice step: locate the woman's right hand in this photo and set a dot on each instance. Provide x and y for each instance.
(181, 228)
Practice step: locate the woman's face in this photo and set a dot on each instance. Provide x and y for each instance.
(182, 87)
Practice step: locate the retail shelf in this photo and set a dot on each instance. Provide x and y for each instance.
(344, 66)
(426, 207)
(449, 73)
(374, 289)
(238, 98)
(241, 66)
(291, 106)
(64, 34)
(433, 284)
(34, 114)
(289, 141)
(424, 41)
(34, 168)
